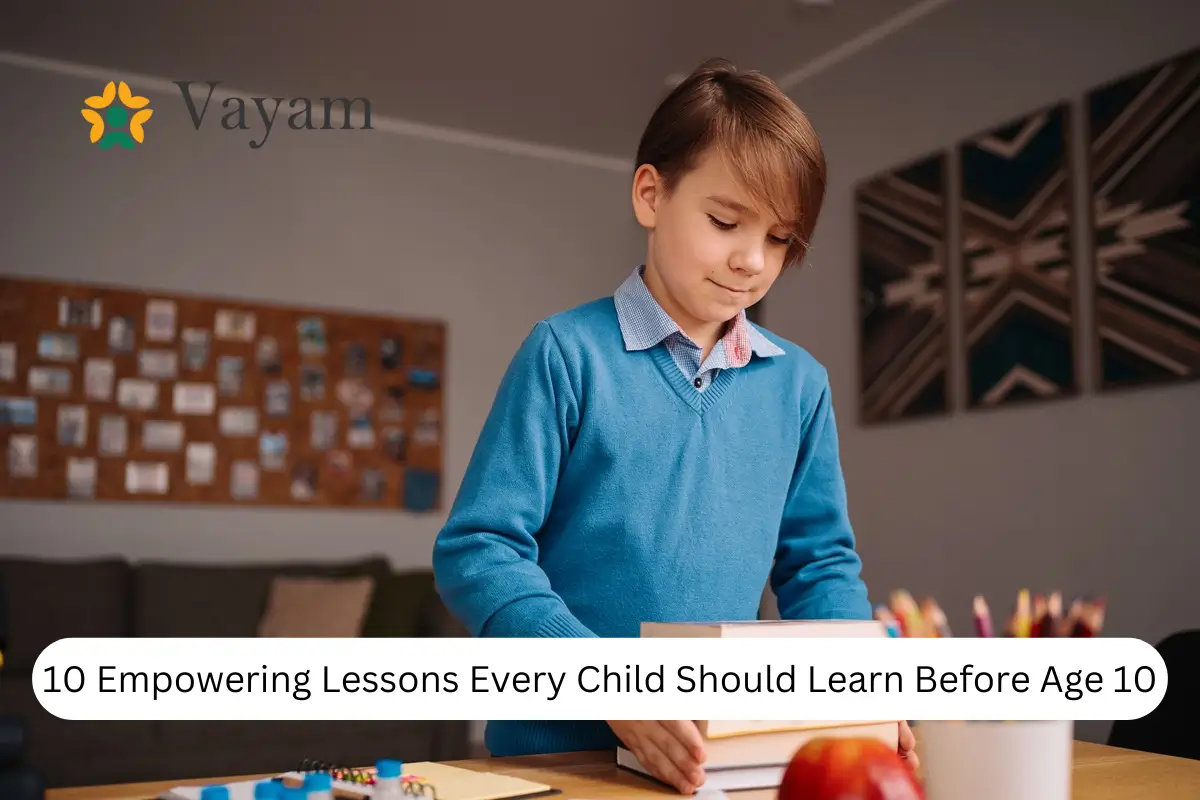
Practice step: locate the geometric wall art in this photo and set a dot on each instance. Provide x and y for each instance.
(1018, 287)
(1144, 165)
(902, 269)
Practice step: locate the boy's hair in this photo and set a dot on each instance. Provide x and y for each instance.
(767, 142)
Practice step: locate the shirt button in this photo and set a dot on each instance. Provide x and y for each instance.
(699, 382)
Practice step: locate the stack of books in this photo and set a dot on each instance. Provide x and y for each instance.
(753, 754)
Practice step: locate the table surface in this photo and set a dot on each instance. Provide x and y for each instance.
(1100, 773)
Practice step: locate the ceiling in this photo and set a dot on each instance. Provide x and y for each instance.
(565, 73)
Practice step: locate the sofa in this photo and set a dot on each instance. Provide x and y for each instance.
(47, 600)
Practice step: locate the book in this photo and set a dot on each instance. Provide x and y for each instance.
(757, 761)
(831, 628)
(440, 781)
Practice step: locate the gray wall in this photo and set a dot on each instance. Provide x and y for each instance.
(1095, 494)
(359, 220)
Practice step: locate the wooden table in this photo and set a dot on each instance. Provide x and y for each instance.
(1100, 773)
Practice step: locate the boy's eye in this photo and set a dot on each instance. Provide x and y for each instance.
(725, 226)
(784, 240)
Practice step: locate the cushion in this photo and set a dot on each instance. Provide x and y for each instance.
(221, 600)
(398, 604)
(316, 607)
(50, 600)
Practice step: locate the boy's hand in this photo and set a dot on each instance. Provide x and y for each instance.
(907, 746)
(671, 749)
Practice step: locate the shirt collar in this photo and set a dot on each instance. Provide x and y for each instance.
(644, 324)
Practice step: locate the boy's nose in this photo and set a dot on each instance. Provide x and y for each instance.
(748, 259)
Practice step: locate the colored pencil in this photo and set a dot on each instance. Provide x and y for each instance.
(1040, 611)
(983, 618)
(1067, 628)
(1021, 621)
(889, 621)
(935, 619)
(1053, 615)
(905, 609)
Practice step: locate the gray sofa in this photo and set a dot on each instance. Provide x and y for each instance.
(50, 600)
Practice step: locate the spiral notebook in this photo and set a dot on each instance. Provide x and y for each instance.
(424, 780)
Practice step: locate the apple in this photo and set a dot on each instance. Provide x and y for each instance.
(830, 768)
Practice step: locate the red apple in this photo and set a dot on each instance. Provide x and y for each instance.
(848, 769)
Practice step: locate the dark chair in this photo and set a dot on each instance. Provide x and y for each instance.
(17, 780)
(1170, 729)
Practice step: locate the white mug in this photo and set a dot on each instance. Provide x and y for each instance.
(1027, 759)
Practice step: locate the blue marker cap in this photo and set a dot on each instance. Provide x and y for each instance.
(267, 790)
(214, 793)
(388, 768)
(318, 782)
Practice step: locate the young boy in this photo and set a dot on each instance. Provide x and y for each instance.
(653, 455)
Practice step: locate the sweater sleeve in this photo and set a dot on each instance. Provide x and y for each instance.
(817, 570)
(485, 557)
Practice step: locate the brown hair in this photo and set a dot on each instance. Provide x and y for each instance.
(765, 139)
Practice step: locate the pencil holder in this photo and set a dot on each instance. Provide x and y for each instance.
(996, 760)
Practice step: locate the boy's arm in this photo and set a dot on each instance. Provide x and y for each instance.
(817, 571)
(485, 558)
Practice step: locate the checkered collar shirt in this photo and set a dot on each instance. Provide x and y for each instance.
(644, 324)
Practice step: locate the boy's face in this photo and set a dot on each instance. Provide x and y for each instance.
(711, 250)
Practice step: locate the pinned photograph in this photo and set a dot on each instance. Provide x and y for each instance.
(234, 326)
(162, 436)
(144, 477)
(311, 332)
(355, 395)
(304, 481)
(201, 463)
(420, 489)
(391, 407)
(159, 364)
(160, 320)
(229, 375)
(423, 378)
(99, 375)
(279, 399)
(360, 435)
(195, 398)
(22, 455)
(239, 421)
(49, 380)
(81, 477)
(391, 352)
(8, 361)
(356, 359)
(324, 430)
(393, 443)
(373, 485)
(243, 480)
(428, 431)
(80, 313)
(136, 393)
(428, 349)
(272, 450)
(112, 435)
(72, 426)
(18, 412)
(58, 347)
(312, 382)
(120, 335)
(268, 356)
(195, 348)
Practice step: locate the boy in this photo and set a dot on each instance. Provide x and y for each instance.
(653, 455)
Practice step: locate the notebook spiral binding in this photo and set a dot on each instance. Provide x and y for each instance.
(410, 785)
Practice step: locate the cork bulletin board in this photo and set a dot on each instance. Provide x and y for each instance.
(115, 394)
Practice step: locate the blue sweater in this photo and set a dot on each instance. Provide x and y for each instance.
(605, 491)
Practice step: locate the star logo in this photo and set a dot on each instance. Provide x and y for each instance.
(117, 127)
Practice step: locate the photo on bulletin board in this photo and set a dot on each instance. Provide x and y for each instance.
(1144, 169)
(1019, 296)
(116, 394)
(903, 335)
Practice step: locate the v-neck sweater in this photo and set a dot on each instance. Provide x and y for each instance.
(606, 490)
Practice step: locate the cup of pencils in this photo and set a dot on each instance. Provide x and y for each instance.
(1034, 615)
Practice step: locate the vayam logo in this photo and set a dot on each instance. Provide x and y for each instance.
(263, 114)
(122, 121)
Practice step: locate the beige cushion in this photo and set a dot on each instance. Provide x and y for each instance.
(316, 607)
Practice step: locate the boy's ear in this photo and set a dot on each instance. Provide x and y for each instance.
(647, 193)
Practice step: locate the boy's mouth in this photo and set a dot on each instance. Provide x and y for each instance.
(729, 289)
